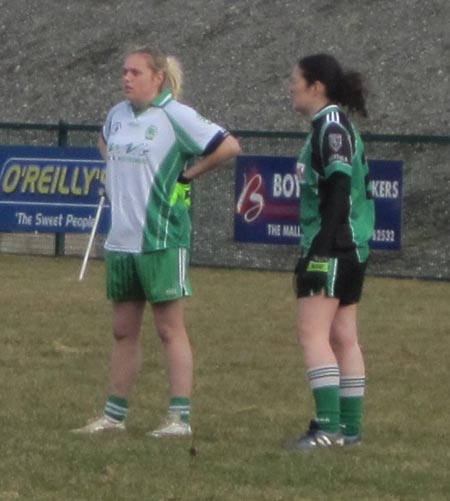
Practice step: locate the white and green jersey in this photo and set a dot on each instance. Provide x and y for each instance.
(146, 153)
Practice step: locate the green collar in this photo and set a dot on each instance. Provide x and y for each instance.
(159, 101)
(162, 99)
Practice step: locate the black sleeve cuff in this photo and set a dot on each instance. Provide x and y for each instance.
(183, 179)
(215, 142)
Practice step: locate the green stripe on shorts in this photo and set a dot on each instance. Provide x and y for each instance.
(331, 277)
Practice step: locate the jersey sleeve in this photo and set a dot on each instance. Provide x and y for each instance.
(195, 134)
(335, 212)
(336, 150)
(106, 130)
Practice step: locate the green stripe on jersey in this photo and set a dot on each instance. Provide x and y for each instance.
(166, 226)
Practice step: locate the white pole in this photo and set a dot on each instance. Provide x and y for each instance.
(91, 236)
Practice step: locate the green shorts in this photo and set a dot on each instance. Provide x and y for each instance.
(154, 276)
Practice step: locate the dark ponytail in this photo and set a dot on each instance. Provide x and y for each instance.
(354, 93)
(342, 87)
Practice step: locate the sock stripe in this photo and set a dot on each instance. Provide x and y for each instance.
(324, 370)
(322, 377)
(115, 407)
(353, 380)
(181, 406)
(114, 416)
(352, 386)
(315, 374)
(114, 410)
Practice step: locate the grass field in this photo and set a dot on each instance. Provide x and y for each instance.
(250, 394)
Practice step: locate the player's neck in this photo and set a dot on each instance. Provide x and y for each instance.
(315, 110)
(319, 106)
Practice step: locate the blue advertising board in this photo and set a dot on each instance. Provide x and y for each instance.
(268, 195)
(51, 189)
(387, 188)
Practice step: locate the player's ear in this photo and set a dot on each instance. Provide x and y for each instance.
(160, 77)
(319, 88)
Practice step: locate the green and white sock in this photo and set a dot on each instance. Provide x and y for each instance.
(351, 399)
(324, 383)
(116, 408)
(181, 406)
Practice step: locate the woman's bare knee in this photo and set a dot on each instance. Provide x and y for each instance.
(165, 333)
(169, 321)
(120, 335)
(127, 320)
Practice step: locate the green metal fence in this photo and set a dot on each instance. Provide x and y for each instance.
(425, 244)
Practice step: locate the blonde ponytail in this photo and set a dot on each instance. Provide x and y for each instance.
(174, 76)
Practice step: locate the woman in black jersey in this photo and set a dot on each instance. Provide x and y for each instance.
(337, 220)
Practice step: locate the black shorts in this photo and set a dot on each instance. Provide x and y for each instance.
(344, 283)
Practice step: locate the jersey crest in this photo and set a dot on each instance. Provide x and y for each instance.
(151, 132)
(335, 141)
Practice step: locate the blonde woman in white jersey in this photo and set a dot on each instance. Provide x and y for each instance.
(146, 142)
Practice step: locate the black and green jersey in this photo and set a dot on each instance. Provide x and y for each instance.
(336, 209)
